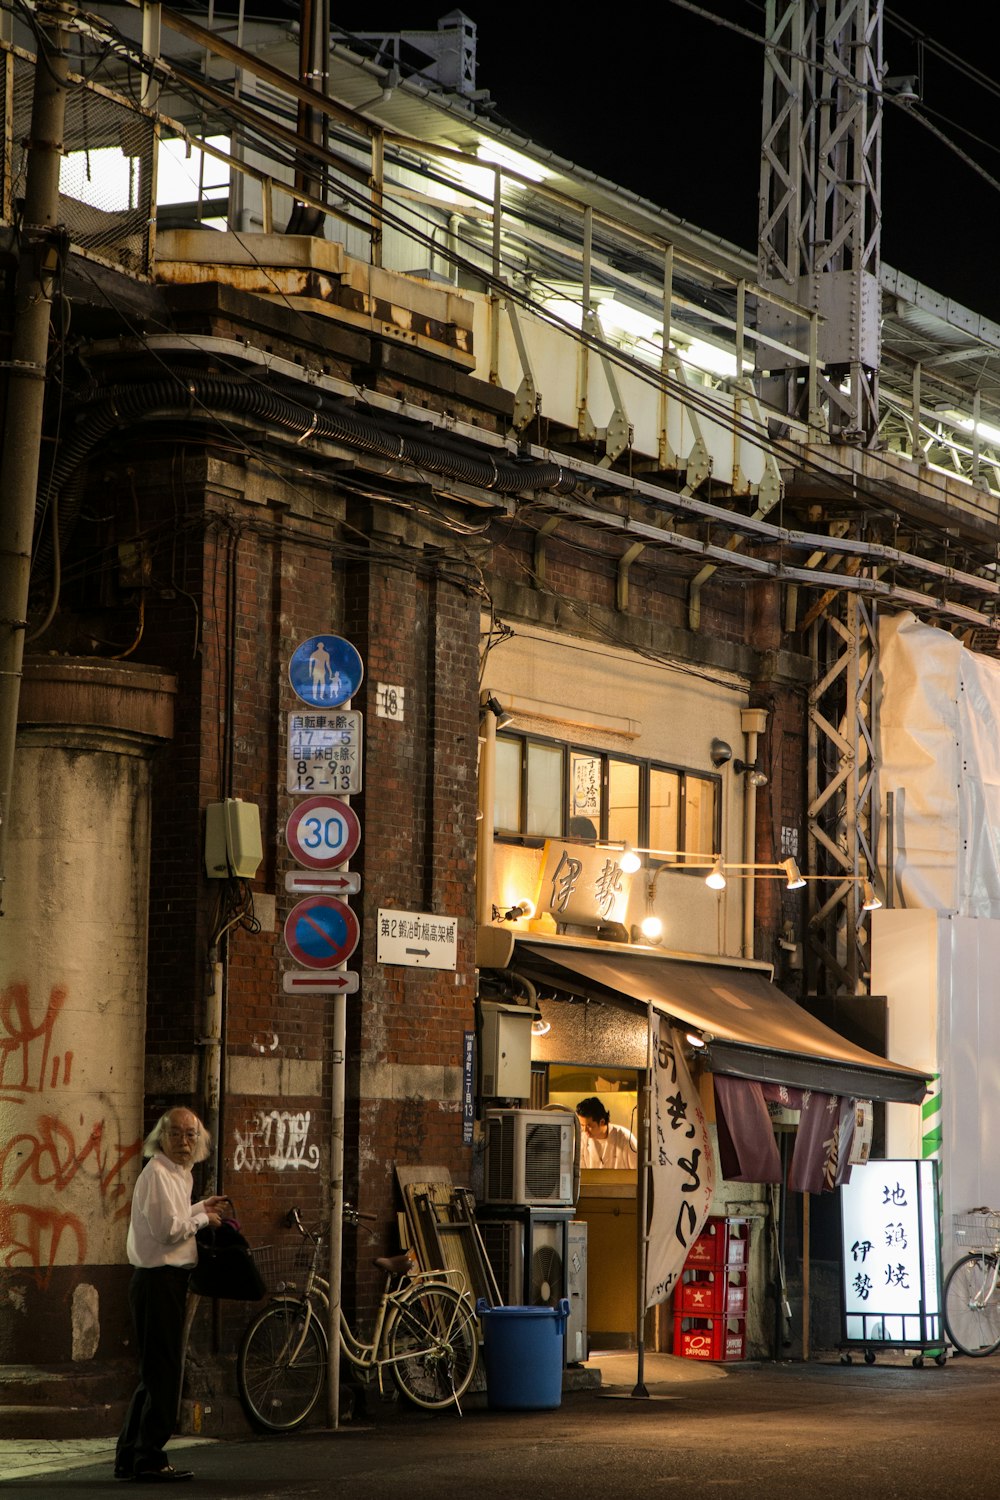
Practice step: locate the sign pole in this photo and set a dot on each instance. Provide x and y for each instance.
(321, 931)
(338, 1094)
(642, 1230)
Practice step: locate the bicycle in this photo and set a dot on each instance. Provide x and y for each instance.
(971, 1305)
(425, 1333)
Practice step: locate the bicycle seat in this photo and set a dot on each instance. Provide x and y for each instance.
(395, 1265)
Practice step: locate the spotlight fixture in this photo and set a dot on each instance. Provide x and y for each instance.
(871, 901)
(716, 878)
(720, 752)
(695, 1039)
(753, 775)
(497, 710)
(540, 1027)
(794, 874)
(514, 913)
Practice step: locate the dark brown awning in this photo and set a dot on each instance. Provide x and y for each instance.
(753, 1029)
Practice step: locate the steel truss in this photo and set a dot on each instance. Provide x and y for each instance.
(842, 779)
(820, 194)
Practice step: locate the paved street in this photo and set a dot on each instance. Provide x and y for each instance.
(823, 1430)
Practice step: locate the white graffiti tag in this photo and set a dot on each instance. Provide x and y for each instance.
(278, 1140)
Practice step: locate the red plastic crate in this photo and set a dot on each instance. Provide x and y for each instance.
(722, 1242)
(720, 1291)
(710, 1338)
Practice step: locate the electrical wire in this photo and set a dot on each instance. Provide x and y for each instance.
(752, 434)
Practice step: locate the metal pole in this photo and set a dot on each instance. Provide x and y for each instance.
(335, 1231)
(41, 251)
(641, 1229)
(338, 1081)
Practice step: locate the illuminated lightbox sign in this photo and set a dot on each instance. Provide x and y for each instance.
(583, 886)
(891, 1255)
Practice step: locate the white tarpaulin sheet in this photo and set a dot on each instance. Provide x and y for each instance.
(939, 739)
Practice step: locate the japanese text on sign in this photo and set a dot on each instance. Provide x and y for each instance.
(420, 939)
(890, 1253)
(324, 752)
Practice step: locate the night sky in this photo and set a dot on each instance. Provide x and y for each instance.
(667, 103)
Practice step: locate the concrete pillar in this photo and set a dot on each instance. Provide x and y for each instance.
(72, 1002)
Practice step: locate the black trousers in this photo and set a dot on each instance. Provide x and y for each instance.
(157, 1299)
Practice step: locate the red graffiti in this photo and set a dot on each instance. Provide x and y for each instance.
(51, 1154)
(26, 1041)
(52, 1159)
(31, 1237)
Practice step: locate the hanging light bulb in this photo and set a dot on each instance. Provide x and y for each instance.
(629, 861)
(651, 927)
(716, 878)
(794, 874)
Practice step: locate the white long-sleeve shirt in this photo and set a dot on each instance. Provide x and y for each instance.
(618, 1149)
(164, 1220)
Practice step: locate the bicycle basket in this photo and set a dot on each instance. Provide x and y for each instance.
(978, 1230)
(284, 1267)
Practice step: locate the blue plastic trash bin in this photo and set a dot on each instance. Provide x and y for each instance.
(524, 1355)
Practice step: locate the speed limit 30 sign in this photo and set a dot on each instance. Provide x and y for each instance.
(322, 832)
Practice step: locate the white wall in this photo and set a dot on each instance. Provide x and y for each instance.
(584, 692)
(939, 972)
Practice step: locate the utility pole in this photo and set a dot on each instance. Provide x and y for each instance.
(41, 249)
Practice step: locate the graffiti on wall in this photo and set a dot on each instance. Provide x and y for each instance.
(57, 1165)
(277, 1139)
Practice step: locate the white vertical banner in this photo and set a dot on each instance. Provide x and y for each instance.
(682, 1167)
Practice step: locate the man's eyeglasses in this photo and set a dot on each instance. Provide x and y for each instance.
(182, 1135)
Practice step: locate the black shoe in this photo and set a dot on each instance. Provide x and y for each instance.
(166, 1475)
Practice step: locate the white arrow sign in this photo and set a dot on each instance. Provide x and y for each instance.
(332, 882)
(301, 981)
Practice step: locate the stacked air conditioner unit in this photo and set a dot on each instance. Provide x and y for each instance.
(531, 1157)
(537, 1251)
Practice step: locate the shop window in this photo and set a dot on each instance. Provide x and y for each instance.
(548, 790)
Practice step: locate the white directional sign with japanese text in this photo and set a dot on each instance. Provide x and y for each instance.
(417, 938)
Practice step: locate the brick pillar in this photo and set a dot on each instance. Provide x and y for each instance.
(417, 629)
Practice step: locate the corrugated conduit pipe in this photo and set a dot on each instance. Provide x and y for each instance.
(208, 397)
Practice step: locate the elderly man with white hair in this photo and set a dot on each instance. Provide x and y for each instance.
(161, 1246)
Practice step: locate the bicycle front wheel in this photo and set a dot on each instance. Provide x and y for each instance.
(281, 1365)
(434, 1345)
(971, 1305)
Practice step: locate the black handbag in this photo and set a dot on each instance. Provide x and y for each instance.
(225, 1266)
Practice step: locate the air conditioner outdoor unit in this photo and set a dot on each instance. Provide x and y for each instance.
(530, 1156)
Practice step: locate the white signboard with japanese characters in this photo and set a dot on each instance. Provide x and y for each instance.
(583, 885)
(891, 1255)
(324, 751)
(420, 939)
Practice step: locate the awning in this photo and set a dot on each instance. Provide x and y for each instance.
(755, 1030)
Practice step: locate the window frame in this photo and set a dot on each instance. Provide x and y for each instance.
(646, 766)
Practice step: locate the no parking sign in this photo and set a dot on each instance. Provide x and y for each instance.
(321, 932)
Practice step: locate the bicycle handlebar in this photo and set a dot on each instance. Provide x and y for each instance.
(293, 1218)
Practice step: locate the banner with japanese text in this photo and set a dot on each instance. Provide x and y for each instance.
(682, 1166)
